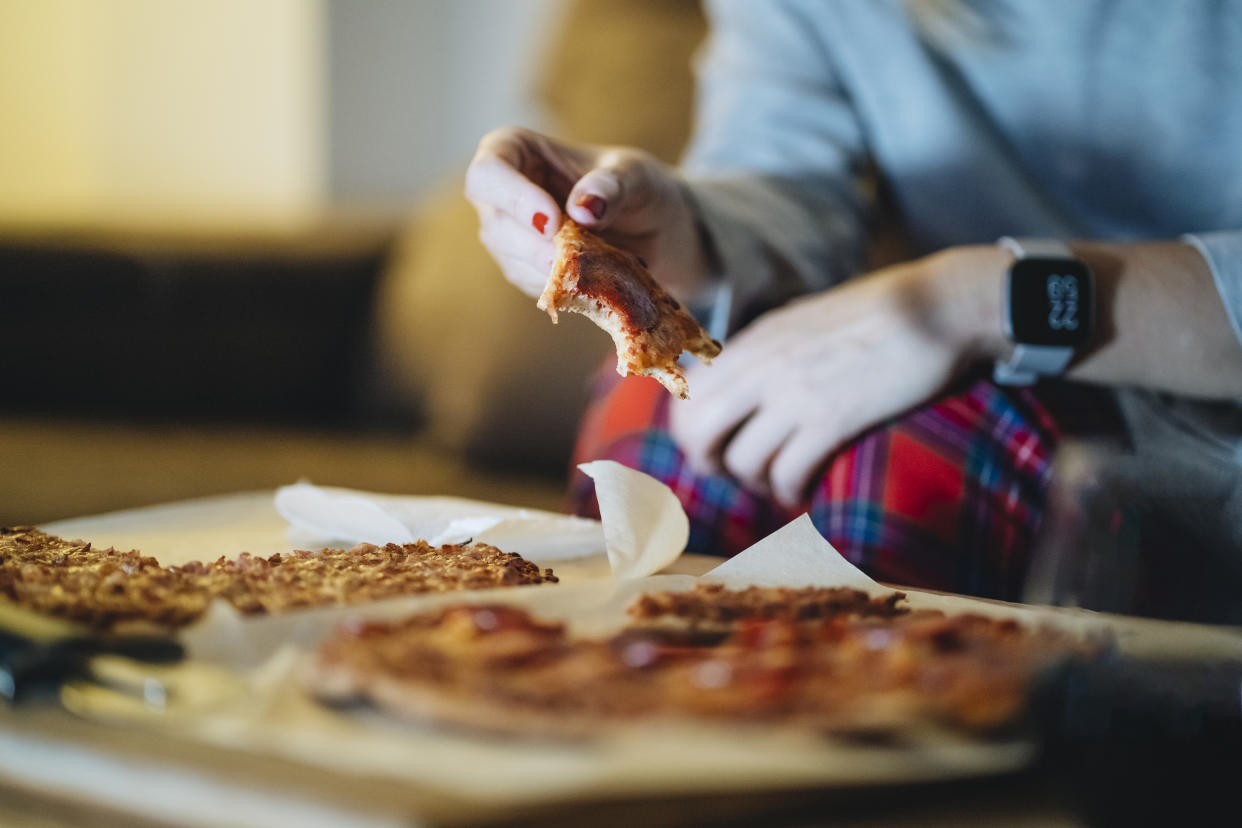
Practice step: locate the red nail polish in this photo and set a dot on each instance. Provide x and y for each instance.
(595, 204)
(540, 221)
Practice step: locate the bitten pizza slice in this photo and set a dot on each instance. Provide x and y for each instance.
(613, 289)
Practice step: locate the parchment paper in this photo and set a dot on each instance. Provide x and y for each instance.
(795, 555)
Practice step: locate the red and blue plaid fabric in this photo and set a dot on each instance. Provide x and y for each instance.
(948, 496)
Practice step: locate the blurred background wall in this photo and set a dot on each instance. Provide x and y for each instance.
(412, 86)
(241, 110)
(234, 250)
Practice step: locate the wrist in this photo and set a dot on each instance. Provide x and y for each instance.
(969, 290)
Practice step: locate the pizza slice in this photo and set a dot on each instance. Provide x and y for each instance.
(613, 289)
(110, 588)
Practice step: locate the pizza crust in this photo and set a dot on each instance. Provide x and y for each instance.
(613, 289)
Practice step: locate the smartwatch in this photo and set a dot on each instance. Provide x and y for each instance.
(1049, 300)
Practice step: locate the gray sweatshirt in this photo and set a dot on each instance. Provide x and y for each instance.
(1073, 119)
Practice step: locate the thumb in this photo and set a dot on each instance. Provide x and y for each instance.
(619, 183)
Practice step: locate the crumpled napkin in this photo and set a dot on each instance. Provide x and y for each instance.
(643, 527)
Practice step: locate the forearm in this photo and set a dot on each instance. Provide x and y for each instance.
(799, 382)
(1161, 323)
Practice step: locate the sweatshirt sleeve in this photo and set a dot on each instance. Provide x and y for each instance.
(775, 164)
(1223, 251)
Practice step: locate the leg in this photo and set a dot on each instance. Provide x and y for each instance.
(627, 422)
(946, 497)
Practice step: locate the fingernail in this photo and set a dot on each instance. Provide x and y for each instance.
(540, 221)
(595, 204)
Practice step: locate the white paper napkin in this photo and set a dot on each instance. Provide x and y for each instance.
(643, 529)
(325, 516)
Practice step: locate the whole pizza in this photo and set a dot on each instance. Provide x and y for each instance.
(830, 659)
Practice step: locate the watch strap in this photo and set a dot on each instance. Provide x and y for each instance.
(1037, 248)
(1029, 362)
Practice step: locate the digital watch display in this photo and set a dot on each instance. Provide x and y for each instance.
(1050, 302)
(1049, 305)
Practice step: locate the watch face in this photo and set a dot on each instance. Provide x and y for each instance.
(1050, 302)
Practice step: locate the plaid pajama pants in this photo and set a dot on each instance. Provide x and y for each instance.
(948, 496)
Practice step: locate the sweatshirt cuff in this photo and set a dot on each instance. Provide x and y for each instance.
(766, 246)
(1223, 252)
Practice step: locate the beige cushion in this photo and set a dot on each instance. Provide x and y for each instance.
(492, 375)
(489, 371)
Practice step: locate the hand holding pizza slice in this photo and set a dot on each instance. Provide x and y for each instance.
(613, 289)
(525, 186)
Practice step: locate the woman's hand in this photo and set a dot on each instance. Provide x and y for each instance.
(797, 383)
(519, 181)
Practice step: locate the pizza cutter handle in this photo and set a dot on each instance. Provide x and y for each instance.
(28, 665)
(153, 649)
